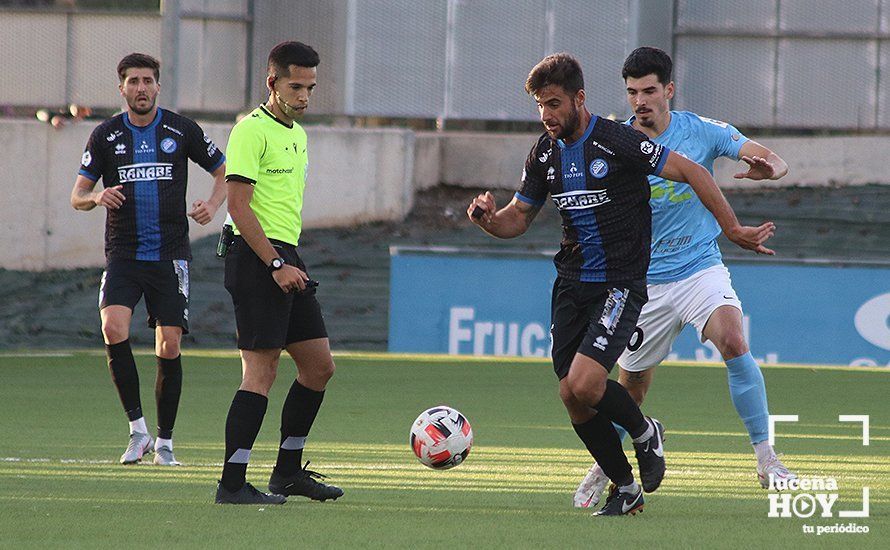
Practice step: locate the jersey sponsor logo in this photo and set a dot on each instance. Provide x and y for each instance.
(601, 146)
(145, 171)
(647, 147)
(211, 147)
(120, 149)
(551, 174)
(545, 155)
(174, 130)
(145, 148)
(168, 145)
(86, 159)
(599, 168)
(719, 123)
(113, 136)
(580, 200)
(280, 170)
(573, 173)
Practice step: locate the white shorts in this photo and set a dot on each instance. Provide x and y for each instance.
(671, 307)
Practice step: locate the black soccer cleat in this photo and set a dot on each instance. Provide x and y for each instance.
(303, 483)
(621, 504)
(650, 457)
(247, 494)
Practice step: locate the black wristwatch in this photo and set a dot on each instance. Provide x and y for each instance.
(275, 264)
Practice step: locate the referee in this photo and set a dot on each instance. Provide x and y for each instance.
(274, 299)
(142, 157)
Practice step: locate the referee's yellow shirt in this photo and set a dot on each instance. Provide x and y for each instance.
(265, 152)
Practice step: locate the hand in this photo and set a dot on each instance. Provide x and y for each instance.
(758, 169)
(111, 197)
(484, 202)
(202, 212)
(752, 238)
(290, 278)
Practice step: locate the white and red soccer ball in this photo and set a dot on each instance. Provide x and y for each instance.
(441, 437)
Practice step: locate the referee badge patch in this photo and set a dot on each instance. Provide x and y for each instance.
(168, 145)
(613, 309)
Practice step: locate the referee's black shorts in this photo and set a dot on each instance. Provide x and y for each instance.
(593, 319)
(266, 317)
(165, 285)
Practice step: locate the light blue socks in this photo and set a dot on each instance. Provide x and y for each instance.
(748, 392)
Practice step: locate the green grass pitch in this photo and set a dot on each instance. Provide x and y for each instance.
(62, 431)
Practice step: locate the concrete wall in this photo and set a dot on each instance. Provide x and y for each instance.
(354, 176)
(492, 160)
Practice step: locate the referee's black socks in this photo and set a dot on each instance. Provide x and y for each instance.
(168, 388)
(125, 377)
(297, 415)
(242, 426)
(601, 439)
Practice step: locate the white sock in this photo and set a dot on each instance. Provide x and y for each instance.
(138, 425)
(631, 489)
(764, 451)
(163, 443)
(650, 431)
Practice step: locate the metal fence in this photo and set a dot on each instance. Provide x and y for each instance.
(761, 63)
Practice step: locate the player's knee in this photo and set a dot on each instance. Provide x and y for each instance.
(168, 348)
(587, 389)
(318, 374)
(115, 332)
(732, 345)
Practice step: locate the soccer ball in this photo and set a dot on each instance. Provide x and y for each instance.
(441, 438)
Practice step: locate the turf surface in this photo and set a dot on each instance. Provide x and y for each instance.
(62, 430)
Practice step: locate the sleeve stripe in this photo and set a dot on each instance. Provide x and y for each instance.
(527, 200)
(88, 175)
(242, 179)
(218, 164)
(662, 160)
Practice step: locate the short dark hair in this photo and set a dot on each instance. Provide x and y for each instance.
(138, 61)
(647, 60)
(560, 69)
(286, 54)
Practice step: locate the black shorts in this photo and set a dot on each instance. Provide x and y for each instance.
(165, 285)
(593, 319)
(266, 317)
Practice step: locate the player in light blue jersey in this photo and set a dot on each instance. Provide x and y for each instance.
(687, 281)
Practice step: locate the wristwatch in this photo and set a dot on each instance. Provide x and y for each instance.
(276, 264)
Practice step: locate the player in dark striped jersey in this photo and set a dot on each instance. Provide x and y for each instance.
(142, 157)
(595, 171)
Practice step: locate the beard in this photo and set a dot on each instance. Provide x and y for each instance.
(141, 111)
(571, 125)
(646, 122)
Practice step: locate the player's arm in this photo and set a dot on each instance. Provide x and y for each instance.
(677, 168)
(289, 277)
(508, 222)
(763, 164)
(84, 198)
(203, 211)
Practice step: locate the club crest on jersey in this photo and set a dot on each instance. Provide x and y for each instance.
(86, 159)
(580, 200)
(647, 147)
(168, 145)
(599, 168)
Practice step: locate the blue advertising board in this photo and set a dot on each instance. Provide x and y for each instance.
(463, 303)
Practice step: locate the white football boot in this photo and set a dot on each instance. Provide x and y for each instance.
(139, 445)
(591, 488)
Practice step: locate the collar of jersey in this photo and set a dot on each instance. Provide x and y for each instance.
(582, 139)
(273, 117)
(151, 126)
